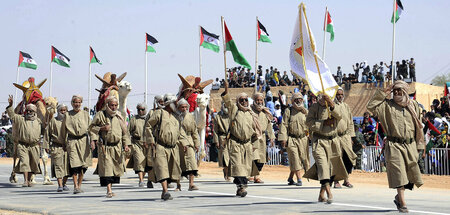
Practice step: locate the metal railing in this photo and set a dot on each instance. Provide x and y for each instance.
(437, 161)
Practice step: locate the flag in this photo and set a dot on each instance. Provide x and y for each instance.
(397, 12)
(447, 89)
(329, 26)
(25, 60)
(209, 40)
(263, 36)
(59, 58)
(93, 57)
(231, 46)
(150, 41)
(303, 58)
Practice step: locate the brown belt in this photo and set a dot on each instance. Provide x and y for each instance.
(400, 140)
(28, 144)
(297, 136)
(324, 136)
(74, 137)
(238, 140)
(167, 145)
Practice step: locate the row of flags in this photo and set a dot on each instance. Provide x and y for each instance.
(26, 61)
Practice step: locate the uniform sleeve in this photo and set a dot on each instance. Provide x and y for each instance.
(215, 128)
(63, 132)
(376, 101)
(126, 140)
(351, 125)
(183, 137)
(150, 124)
(336, 113)
(283, 135)
(94, 127)
(131, 126)
(314, 125)
(48, 134)
(13, 116)
(195, 137)
(270, 132)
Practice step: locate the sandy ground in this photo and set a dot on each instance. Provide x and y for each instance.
(280, 173)
(8, 212)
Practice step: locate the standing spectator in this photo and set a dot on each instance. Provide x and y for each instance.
(270, 105)
(356, 69)
(358, 145)
(269, 93)
(412, 69)
(339, 75)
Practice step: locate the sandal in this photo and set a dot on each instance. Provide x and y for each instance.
(322, 199)
(347, 184)
(258, 181)
(192, 188)
(166, 196)
(109, 195)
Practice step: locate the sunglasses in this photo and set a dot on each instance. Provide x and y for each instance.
(241, 100)
(139, 109)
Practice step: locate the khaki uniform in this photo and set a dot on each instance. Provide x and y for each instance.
(74, 130)
(27, 134)
(111, 159)
(346, 130)
(188, 162)
(293, 130)
(400, 149)
(221, 125)
(242, 130)
(260, 153)
(325, 146)
(163, 131)
(138, 160)
(60, 160)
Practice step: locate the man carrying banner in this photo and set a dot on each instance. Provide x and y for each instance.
(400, 118)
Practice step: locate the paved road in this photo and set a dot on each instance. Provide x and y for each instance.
(214, 197)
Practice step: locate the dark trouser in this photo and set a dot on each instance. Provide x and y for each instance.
(187, 173)
(77, 170)
(347, 163)
(259, 166)
(240, 181)
(327, 181)
(421, 161)
(104, 181)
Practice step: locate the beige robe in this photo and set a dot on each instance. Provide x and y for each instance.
(162, 130)
(325, 151)
(27, 134)
(260, 153)
(401, 158)
(242, 130)
(188, 162)
(221, 125)
(346, 130)
(60, 161)
(138, 160)
(74, 130)
(111, 158)
(293, 130)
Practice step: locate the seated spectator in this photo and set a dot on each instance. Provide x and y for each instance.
(286, 79)
(216, 85)
(270, 105)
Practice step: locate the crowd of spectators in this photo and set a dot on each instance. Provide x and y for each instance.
(377, 76)
(240, 77)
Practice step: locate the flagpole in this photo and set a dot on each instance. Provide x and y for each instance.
(146, 78)
(324, 33)
(314, 51)
(200, 52)
(256, 56)
(393, 43)
(89, 88)
(224, 50)
(17, 82)
(51, 77)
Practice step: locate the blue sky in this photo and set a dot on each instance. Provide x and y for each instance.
(116, 31)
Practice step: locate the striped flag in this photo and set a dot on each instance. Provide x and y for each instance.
(93, 57)
(263, 36)
(329, 26)
(230, 45)
(25, 60)
(150, 41)
(59, 58)
(398, 11)
(209, 40)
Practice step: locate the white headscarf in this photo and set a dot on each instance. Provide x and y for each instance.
(141, 105)
(169, 100)
(33, 115)
(60, 116)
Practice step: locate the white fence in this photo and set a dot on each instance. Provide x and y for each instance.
(437, 161)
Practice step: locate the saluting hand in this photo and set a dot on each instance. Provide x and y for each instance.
(10, 100)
